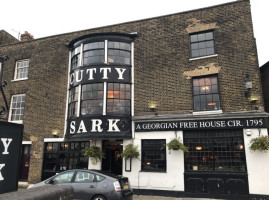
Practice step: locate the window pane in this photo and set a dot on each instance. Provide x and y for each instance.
(201, 37)
(194, 38)
(209, 36)
(209, 44)
(196, 90)
(202, 52)
(194, 46)
(202, 45)
(214, 80)
(210, 51)
(195, 53)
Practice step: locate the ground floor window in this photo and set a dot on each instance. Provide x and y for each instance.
(153, 155)
(61, 156)
(215, 150)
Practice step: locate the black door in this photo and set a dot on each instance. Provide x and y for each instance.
(215, 165)
(25, 162)
(112, 161)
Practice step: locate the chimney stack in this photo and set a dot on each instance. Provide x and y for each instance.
(26, 36)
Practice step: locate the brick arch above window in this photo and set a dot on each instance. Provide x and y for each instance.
(209, 69)
(198, 26)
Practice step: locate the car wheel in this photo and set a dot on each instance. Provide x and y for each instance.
(98, 197)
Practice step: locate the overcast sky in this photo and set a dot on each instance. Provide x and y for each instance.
(52, 17)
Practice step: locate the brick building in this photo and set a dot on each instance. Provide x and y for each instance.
(192, 75)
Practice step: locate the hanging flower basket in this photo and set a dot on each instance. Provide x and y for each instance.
(130, 151)
(93, 152)
(260, 143)
(175, 144)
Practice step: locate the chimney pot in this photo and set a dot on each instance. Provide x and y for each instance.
(26, 36)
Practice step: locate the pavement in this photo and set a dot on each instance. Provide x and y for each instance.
(144, 197)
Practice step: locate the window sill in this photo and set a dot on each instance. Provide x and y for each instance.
(146, 171)
(212, 112)
(16, 122)
(203, 57)
(22, 79)
(53, 139)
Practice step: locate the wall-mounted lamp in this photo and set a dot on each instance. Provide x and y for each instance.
(55, 133)
(253, 100)
(152, 108)
(248, 84)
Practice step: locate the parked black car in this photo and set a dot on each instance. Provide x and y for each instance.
(92, 184)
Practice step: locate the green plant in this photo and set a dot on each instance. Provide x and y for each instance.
(175, 144)
(93, 152)
(260, 143)
(130, 151)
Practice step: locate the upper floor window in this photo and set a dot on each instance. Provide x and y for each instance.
(94, 53)
(21, 71)
(73, 102)
(92, 99)
(75, 58)
(17, 108)
(206, 93)
(119, 52)
(202, 44)
(118, 98)
(101, 52)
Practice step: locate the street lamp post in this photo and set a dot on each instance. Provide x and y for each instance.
(3, 110)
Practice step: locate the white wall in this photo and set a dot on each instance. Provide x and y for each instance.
(172, 179)
(92, 164)
(257, 165)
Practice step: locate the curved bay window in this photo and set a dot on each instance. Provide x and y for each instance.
(118, 98)
(119, 52)
(73, 102)
(94, 53)
(100, 85)
(92, 99)
(75, 58)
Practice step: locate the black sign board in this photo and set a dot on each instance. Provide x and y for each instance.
(99, 127)
(97, 74)
(259, 122)
(10, 152)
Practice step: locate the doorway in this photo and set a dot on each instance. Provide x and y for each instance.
(112, 161)
(25, 162)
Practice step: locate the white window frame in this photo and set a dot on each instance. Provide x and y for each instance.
(16, 70)
(10, 110)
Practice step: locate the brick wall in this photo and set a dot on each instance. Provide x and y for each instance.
(161, 58)
(6, 38)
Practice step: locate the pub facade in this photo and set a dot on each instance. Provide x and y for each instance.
(191, 76)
